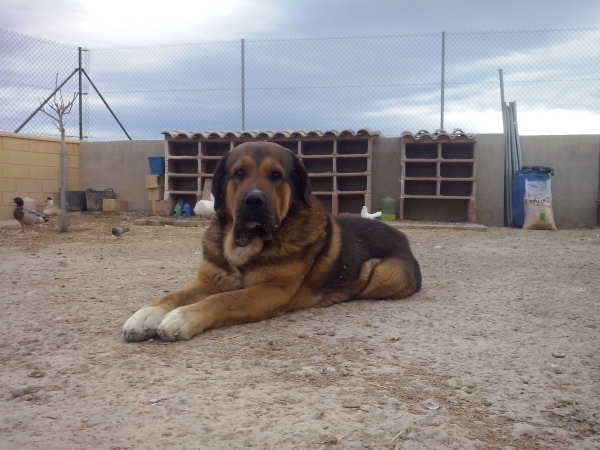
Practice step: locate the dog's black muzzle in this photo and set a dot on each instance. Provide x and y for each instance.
(254, 218)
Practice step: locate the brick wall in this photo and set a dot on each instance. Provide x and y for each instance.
(30, 167)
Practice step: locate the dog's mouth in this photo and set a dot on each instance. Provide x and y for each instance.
(244, 232)
(254, 219)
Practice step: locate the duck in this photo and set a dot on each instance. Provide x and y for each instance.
(27, 217)
(51, 209)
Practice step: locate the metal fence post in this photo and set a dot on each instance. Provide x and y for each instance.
(501, 74)
(243, 87)
(80, 101)
(443, 79)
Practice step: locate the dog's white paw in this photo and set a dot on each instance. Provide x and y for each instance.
(143, 324)
(175, 327)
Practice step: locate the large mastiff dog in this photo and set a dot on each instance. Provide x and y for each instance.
(272, 248)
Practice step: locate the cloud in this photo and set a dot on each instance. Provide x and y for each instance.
(389, 83)
(100, 23)
(42, 18)
(558, 121)
(149, 22)
(94, 23)
(320, 18)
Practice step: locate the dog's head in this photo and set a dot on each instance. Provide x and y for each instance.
(256, 184)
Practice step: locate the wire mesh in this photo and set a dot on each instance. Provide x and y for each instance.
(175, 87)
(386, 83)
(553, 75)
(30, 69)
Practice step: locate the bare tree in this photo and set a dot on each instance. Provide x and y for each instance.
(59, 110)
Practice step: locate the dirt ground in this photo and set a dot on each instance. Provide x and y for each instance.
(499, 350)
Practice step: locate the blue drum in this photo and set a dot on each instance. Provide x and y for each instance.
(529, 173)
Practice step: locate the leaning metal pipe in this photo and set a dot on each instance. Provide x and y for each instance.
(519, 154)
(507, 165)
(509, 169)
(507, 186)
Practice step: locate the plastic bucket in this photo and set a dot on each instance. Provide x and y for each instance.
(528, 173)
(157, 165)
(93, 199)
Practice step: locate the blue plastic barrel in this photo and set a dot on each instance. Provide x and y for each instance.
(527, 173)
(187, 210)
(157, 165)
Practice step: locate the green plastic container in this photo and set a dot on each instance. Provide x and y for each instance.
(178, 210)
(388, 208)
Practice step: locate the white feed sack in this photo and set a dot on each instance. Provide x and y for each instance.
(538, 206)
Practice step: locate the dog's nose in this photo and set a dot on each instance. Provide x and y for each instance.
(255, 200)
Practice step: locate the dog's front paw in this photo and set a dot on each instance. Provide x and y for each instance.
(143, 324)
(176, 327)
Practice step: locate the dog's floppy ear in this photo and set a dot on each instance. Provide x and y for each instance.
(300, 182)
(219, 184)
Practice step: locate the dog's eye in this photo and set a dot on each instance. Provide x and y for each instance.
(239, 174)
(275, 176)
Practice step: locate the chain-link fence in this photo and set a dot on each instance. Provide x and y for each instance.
(29, 71)
(387, 83)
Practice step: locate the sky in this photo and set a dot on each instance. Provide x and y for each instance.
(295, 79)
(108, 23)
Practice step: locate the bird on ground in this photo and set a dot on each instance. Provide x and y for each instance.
(205, 208)
(51, 209)
(118, 232)
(27, 217)
(365, 213)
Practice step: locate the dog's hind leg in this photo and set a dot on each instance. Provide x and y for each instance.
(392, 278)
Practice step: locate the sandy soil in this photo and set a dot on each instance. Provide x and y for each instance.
(499, 350)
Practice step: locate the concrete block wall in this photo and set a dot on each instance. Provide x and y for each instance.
(576, 180)
(122, 166)
(30, 167)
(575, 185)
(575, 159)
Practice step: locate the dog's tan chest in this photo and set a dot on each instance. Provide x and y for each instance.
(238, 256)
